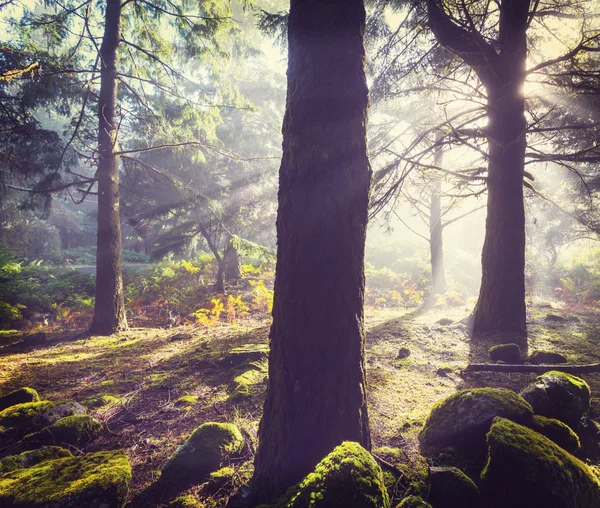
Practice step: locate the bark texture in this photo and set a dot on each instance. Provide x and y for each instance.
(317, 395)
(501, 69)
(436, 231)
(109, 310)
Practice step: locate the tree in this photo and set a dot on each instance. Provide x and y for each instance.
(317, 394)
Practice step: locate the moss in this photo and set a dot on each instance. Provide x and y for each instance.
(414, 502)
(220, 478)
(539, 357)
(348, 477)
(526, 469)
(94, 480)
(558, 432)
(36, 415)
(186, 400)
(509, 353)
(99, 401)
(75, 430)
(207, 448)
(188, 501)
(244, 380)
(466, 416)
(450, 487)
(20, 396)
(32, 458)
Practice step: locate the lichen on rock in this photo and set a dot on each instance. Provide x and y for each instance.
(557, 431)
(31, 458)
(75, 430)
(348, 477)
(205, 451)
(509, 353)
(95, 480)
(32, 416)
(450, 487)
(20, 396)
(526, 469)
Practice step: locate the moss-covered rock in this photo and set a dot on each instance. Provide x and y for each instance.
(32, 416)
(76, 430)
(451, 488)
(98, 401)
(245, 380)
(546, 357)
(188, 501)
(95, 480)
(509, 353)
(205, 451)
(559, 395)
(557, 431)
(20, 396)
(466, 416)
(414, 470)
(526, 469)
(27, 459)
(414, 502)
(348, 477)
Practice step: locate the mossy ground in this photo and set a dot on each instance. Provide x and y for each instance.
(132, 381)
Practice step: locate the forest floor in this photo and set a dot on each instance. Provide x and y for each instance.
(160, 384)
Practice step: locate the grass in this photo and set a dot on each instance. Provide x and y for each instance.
(160, 390)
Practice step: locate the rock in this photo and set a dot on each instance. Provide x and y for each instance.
(220, 478)
(466, 416)
(97, 401)
(443, 371)
(558, 432)
(35, 339)
(555, 318)
(526, 470)
(348, 477)
(94, 480)
(559, 395)
(413, 502)
(244, 380)
(76, 430)
(509, 353)
(247, 353)
(28, 459)
(414, 469)
(32, 416)
(450, 487)
(180, 336)
(444, 321)
(573, 319)
(403, 353)
(205, 451)
(546, 357)
(20, 396)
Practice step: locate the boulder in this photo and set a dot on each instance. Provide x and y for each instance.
(28, 459)
(76, 430)
(413, 502)
(507, 353)
(348, 477)
(20, 396)
(451, 488)
(559, 395)
(31, 416)
(244, 380)
(466, 416)
(403, 352)
(546, 357)
(95, 480)
(205, 451)
(558, 432)
(526, 470)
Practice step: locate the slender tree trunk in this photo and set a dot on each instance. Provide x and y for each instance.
(436, 229)
(231, 261)
(109, 310)
(317, 394)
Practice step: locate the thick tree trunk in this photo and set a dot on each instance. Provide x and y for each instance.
(317, 394)
(109, 310)
(436, 229)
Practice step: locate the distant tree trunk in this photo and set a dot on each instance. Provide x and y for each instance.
(436, 230)
(109, 310)
(501, 69)
(317, 389)
(228, 267)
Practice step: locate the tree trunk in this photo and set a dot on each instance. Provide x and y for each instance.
(436, 229)
(317, 390)
(231, 261)
(109, 310)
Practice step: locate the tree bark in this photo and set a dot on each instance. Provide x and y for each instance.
(436, 230)
(109, 310)
(228, 267)
(317, 390)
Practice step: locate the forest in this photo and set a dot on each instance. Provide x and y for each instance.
(299, 253)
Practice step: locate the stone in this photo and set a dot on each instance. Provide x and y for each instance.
(558, 432)
(508, 353)
(466, 416)
(32, 416)
(245, 380)
(526, 470)
(559, 395)
(75, 430)
(348, 477)
(403, 352)
(555, 318)
(450, 487)
(20, 396)
(31, 458)
(546, 357)
(94, 480)
(205, 451)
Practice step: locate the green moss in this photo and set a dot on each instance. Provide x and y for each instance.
(27, 459)
(526, 469)
(75, 430)
(575, 381)
(466, 416)
(449, 486)
(557, 431)
(92, 480)
(188, 501)
(348, 477)
(203, 452)
(98, 401)
(20, 396)
(35, 415)
(414, 502)
(509, 353)
(186, 400)
(244, 380)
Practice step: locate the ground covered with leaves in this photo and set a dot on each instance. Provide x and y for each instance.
(151, 387)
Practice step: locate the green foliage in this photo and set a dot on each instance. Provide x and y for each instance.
(87, 256)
